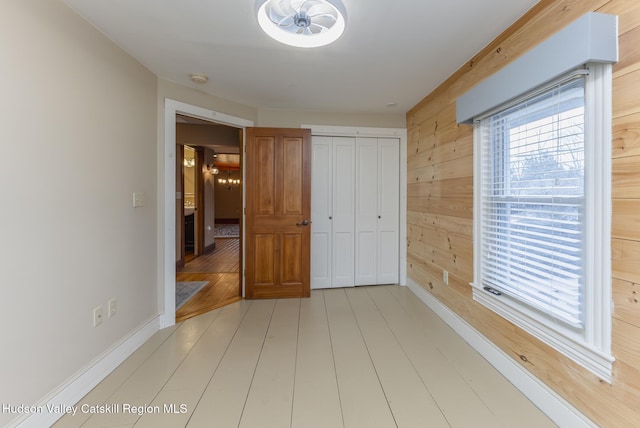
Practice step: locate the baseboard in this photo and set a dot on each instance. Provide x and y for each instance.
(559, 410)
(180, 264)
(76, 387)
(209, 248)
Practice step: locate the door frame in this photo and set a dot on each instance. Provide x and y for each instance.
(401, 134)
(167, 198)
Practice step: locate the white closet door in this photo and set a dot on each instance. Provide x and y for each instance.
(388, 211)
(355, 211)
(343, 213)
(321, 199)
(366, 210)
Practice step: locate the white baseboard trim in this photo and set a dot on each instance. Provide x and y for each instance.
(559, 410)
(76, 387)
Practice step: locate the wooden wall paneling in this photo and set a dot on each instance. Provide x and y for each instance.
(626, 301)
(438, 152)
(456, 207)
(627, 215)
(458, 265)
(454, 168)
(626, 382)
(626, 93)
(461, 249)
(450, 188)
(625, 180)
(626, 342)
(424, 173)
(452, 224)
(625, 257)
(431, 276)
(626, 136)
(629, 54)
(628, 14)
(440, 207)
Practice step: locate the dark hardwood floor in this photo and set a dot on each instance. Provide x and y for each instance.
(221, 269)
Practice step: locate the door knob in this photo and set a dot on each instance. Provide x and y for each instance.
(304, 222)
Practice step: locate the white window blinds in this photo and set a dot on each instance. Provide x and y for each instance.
(533, 203)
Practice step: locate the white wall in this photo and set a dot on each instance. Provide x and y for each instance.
(78, 123)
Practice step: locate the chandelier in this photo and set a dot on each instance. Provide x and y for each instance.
(229, 182)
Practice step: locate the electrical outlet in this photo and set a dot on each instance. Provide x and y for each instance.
(113, 307)
(445, 277)
(97, 316)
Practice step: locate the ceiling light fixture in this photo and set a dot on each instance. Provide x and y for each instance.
(211, 168)
(302, 23)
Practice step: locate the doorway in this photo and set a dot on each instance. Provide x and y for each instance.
(208, 214)
(167, 201)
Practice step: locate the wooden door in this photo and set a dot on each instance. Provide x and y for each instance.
(278, 203)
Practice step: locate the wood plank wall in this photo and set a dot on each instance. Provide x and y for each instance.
(440, 210)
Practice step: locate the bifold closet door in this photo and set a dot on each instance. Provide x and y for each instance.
(388, 271)
(332, 212)
(366, 210)
(343, 212)
(321, 202)
(377, 211)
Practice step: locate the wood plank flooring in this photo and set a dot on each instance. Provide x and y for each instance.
(356, 358)
(225, 258)
(220, 268)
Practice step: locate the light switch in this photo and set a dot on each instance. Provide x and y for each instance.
(138, 199)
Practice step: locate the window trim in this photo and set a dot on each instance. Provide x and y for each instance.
(590, 348)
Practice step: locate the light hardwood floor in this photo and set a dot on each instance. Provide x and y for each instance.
(220, 268)
(358, 358)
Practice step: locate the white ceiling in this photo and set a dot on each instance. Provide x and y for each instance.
(392, 51)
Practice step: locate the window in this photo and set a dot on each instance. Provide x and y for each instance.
(542, 214)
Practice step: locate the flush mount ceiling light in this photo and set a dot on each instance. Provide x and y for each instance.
(302, 23)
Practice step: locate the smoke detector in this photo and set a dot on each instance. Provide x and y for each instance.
(199, 78)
